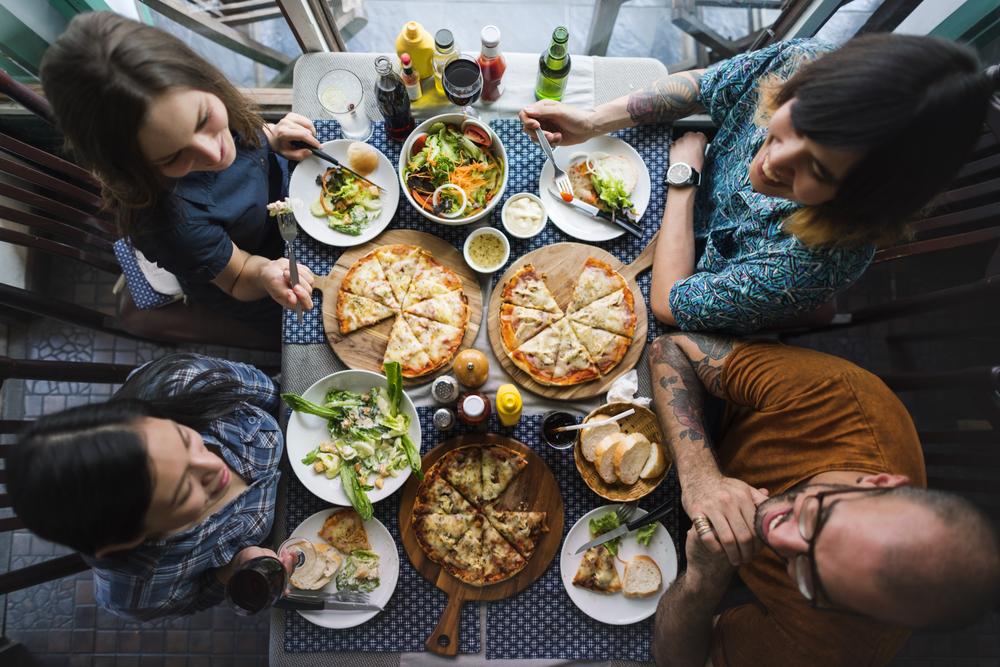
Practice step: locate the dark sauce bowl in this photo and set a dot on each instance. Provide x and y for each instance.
(553, 420)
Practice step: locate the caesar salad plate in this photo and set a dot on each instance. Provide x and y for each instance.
(303, 190)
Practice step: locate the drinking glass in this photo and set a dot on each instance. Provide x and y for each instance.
(463, 82)
(554, 419)
(342, 95)
(260, 582)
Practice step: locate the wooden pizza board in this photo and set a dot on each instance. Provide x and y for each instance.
(562, 264)
(364, 348)
(534, 489)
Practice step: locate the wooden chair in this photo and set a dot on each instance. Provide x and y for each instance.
(66, 218)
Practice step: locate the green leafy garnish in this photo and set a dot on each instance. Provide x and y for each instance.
(645, 534)
(602, 525)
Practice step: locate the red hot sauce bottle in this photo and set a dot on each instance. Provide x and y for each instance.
(492, 64)
(474, 408)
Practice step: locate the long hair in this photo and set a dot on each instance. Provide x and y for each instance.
(914, 105)
(83, 477)
(101, 76)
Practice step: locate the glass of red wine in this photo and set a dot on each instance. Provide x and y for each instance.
(260, 582)
(463, 82)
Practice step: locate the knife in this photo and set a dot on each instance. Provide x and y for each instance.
(329, 158)
(657, 514)
(594, 212)
(310, 602)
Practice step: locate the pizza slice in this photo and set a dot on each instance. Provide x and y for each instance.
(537, 357)
(500, 466)
(614, 313)
(463, 469)
(404, 347)
(439, 341)
(437, 496)
(430, 279)
(450, 308)
(521, 529)
(527, 288)
(439, 533)
(573, 364)
(499, 560)
(597, 571)
(465, 561)
(519, 324)
(354, 312)
(366, 278)
(399, 262)
(596, 281)
(605, 348)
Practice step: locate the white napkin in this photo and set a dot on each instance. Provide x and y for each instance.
(624, 388)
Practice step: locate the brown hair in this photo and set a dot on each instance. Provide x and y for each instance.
(101, 76)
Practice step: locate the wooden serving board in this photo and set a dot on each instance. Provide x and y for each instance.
(535, 489)
(364, 348)
(562, 264)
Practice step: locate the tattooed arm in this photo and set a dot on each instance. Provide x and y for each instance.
(683, 365)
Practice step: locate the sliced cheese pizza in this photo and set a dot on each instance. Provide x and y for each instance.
(527, 288)
(537, 357)
(465, 561)
(521, 529)
(354, 312)
(519, 324)
(500, 466)
(451, 308)
(404, 347)
(366, 278)
(500, 560)
(614, 313)
(573, 364)
(605, 348)
(439, 341)
(437, 496)
(597, 281)
(597, 571)
(431, 279)
(439, 533)
(463, 468)
(399, 262)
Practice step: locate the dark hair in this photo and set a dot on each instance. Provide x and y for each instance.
(101, 76)
(83, 477)
(914, 105)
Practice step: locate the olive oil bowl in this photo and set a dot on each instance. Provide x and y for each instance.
(486, 250)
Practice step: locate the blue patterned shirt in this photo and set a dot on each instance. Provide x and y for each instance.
(752, 274)
(174, 576)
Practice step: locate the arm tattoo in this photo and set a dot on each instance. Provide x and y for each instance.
(684, 391)
(666, 100)
(716, 348)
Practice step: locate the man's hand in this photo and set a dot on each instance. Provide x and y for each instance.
(564, 125)
(292, 127)
(730, 506)
(704, 565)
(275, 277)
(690, 149)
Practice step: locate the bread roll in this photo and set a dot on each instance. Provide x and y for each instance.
(630, 457)
(656, 463)
(321, 569)
(362, 158)
(605, 457)
(642, 578)
(590, 438)
(620, 168)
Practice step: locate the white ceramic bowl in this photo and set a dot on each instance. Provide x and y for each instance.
(528, 195)
(491, 232)
(497, 149)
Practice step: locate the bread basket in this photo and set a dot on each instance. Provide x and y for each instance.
(643, 421)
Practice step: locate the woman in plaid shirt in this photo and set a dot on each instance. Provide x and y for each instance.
(165, 489)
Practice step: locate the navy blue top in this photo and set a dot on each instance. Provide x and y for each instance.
(191, 230)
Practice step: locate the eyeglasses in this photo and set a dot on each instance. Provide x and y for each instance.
(811, 521)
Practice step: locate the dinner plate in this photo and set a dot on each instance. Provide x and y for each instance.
(574, 222)
(303, 190)
(388, 569)
(306, 431)
(616, 609)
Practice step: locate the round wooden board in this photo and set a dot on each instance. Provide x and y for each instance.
(534, 489)
(643, 421)
(562, 263)
(364, 348)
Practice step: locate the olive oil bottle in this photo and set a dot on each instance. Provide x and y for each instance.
(553, 67)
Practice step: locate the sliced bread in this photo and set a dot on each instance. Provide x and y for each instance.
(321, 569)
(642, 578)
(604, 459)
(630, 457)
(591, 437)
(656, 463)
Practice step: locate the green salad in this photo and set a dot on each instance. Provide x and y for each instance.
(359, 572)
(610, 521)
(348, 203)
(369, 435)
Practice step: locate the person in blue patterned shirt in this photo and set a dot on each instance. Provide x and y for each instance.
(820, 155)
(165, 489)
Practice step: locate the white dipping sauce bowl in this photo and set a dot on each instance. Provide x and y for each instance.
(491, 232)
(526, 195)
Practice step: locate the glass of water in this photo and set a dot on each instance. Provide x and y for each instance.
(342, 95)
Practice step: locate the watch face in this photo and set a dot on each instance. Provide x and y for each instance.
(679, 174)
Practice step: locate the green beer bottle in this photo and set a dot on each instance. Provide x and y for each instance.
(553, 67)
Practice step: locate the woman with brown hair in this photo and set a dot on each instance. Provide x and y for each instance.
(821, 155)
(184, 161)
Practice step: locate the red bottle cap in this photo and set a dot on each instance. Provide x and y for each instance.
(405, 59)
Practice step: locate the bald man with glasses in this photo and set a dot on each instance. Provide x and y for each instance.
(818, 461)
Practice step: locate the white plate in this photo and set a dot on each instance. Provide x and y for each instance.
(388, 569)
(575, 222)
(303, 188)
(306, 431)
(616, 609)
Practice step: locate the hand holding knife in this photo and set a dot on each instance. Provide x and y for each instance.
(657, 514)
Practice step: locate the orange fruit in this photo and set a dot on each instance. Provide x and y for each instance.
(471, 367)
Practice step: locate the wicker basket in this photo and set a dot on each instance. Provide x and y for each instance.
(643, 421)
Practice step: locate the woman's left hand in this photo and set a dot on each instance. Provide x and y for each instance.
(226, 571)
(689, 149)
(292, 127)
(276, 278)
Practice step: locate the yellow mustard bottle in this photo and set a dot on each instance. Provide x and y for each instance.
(417, 42)
(508, 404)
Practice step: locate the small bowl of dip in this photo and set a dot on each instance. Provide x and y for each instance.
(524, 215)
(486, 250)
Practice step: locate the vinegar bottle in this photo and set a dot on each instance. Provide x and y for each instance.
(553, 67)
(444, 52)
(492, 64)
(393, 102)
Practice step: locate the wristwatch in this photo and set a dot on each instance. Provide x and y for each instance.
(681, 174)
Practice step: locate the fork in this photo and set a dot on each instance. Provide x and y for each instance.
(288, 229)
(558, 175)
(624, 511)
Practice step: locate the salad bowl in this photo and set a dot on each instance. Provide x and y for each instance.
(456, 120)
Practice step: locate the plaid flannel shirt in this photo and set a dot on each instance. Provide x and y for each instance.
(175, 576)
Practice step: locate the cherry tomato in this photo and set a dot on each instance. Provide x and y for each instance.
(477, 136)
(418, 143)
(567, 196)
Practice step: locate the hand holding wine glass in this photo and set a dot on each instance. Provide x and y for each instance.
(259, 582)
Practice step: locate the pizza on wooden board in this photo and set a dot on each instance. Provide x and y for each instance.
(588, 342)
(470, 540)
(432, 312)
